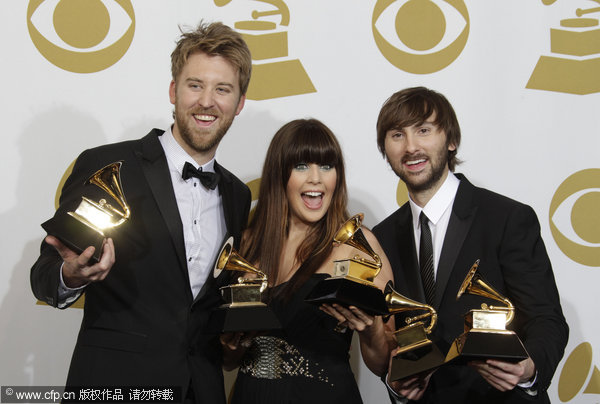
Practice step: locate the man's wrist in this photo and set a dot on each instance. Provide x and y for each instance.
(530, 382)
(62, 286)
(400, 399)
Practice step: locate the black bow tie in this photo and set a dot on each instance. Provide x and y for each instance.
(208, 179)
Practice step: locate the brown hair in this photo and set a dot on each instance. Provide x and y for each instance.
(214, 39)
(299, 141)
(413, 106)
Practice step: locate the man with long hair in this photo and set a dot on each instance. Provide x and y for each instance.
(433, 240)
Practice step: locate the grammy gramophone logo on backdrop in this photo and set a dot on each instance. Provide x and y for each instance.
(575, 217)
(579, 374)
(81, 36)
(420, 36)
(574, 62)
(274, 73)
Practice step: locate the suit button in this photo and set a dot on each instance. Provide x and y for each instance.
(191, 351)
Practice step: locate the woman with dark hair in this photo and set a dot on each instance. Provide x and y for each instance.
(302, 203)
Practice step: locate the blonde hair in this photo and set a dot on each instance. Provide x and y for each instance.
(214, 39)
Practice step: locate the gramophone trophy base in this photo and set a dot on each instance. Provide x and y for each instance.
(348, 292)
(418, 360)
(75, 234)
(242, 311)
(242, 294)
(415, 353)
(478, 344)
(251, 317)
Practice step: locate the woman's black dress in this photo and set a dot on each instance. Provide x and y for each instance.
(304, 362)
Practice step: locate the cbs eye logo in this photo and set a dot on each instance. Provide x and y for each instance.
(575, 217)
(420, 36)
(577, 370)
(81, 36)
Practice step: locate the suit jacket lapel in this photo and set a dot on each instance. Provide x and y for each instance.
(461, 218)
(156, 170)
(226, 191)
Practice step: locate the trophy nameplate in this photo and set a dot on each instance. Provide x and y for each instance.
(352, 280)
(243, 309)
(92, 222)
(416, 353)
(485, 335)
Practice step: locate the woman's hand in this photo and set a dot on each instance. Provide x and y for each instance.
(234, 346)
(350, 317)
(376, 339)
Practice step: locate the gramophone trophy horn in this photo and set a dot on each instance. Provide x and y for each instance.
(109, 180)
(398, 303)
(243, 309)
(93, 221)
(352, 280)
(485, 333)
(416, 353)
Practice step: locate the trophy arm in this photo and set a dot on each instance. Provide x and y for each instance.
(509, 309)
(432, 323)
(264, 284)
(262, 279)
(432, 319)
(282, 9)
(124, 215)
(374, 265)
(378, 264)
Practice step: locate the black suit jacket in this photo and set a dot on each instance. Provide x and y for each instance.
(505, 236)
(141, 326)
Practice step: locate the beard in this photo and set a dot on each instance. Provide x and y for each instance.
(423, 181)
(201, 140)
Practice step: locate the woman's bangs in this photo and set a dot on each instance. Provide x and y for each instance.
(313, 146)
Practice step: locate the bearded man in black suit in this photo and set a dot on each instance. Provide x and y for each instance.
(149, 296)
(418, 134)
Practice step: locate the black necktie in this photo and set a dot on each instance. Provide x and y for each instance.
(208, 179)
(426, 259)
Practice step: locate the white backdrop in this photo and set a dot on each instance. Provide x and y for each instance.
(537, 142)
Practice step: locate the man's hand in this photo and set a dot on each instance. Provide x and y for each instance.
(76, 270)
(412, 387)
(505, 376)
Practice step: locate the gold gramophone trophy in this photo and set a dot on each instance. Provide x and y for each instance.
(92, 221)
(486, 336)
(243, 309)
(352, 280)
(416, 353)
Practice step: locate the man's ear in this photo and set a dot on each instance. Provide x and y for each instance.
(172, 92)
(240, 105)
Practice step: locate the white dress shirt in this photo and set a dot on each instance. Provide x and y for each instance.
(201, 212)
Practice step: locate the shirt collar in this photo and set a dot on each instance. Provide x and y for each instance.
(438, 204)
(178, 156)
